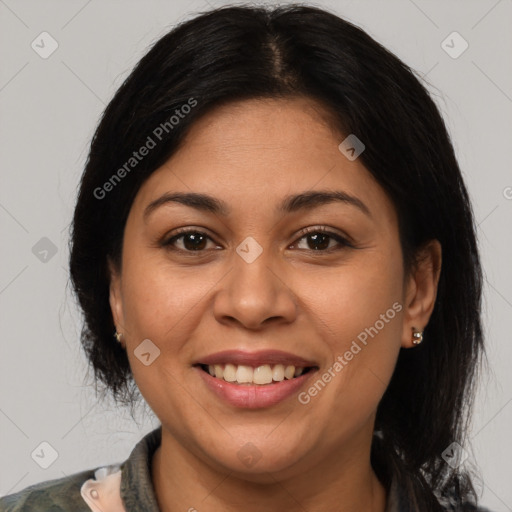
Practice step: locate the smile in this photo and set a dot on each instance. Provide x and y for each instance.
(262, 375)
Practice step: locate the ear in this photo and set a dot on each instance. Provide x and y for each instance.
(115, 298)
(421, 290)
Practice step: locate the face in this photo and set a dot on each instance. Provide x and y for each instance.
(275, 277)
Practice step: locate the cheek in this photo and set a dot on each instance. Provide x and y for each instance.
(350, 300)
(163, 304)
(158, 297)
(357, 311)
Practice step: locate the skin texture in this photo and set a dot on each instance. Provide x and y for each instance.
(312, 303)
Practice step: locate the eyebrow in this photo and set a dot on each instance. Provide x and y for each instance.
(293, 203)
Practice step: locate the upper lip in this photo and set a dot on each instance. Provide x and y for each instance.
(270, 357)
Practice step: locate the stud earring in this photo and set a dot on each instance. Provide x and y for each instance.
(118, 336)
(417, 337)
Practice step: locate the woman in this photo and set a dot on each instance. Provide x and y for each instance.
(273, 224)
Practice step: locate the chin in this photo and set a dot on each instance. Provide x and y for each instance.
(254, 460)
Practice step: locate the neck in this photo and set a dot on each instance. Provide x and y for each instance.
(184, 482)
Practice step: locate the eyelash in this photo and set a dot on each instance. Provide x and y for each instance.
(342, 241)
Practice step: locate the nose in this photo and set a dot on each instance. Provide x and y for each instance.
(255, 294)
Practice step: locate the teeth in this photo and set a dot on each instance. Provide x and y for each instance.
(244, 374)
(278, 373)
(230, 372)
(289, 372)
(264, 374)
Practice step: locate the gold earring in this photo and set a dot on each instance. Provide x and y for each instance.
(417, 337)
(118, 336)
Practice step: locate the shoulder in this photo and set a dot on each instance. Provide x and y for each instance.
(132, 483)
(59, 495)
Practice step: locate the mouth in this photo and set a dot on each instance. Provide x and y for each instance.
(254, 379)
(262, 375)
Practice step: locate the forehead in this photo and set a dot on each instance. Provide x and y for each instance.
(258, 151)
(263, 130)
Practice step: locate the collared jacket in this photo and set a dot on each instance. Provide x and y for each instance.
(125, 487)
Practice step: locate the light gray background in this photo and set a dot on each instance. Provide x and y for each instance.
(48, 111)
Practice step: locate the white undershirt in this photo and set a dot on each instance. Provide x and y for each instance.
(103, 492)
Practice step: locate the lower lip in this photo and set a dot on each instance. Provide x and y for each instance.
(255, 396)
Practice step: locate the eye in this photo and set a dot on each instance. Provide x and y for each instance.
(319, 238)
(192, 240)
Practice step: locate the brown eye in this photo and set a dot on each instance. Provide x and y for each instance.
(319, 239)
(191, 241)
